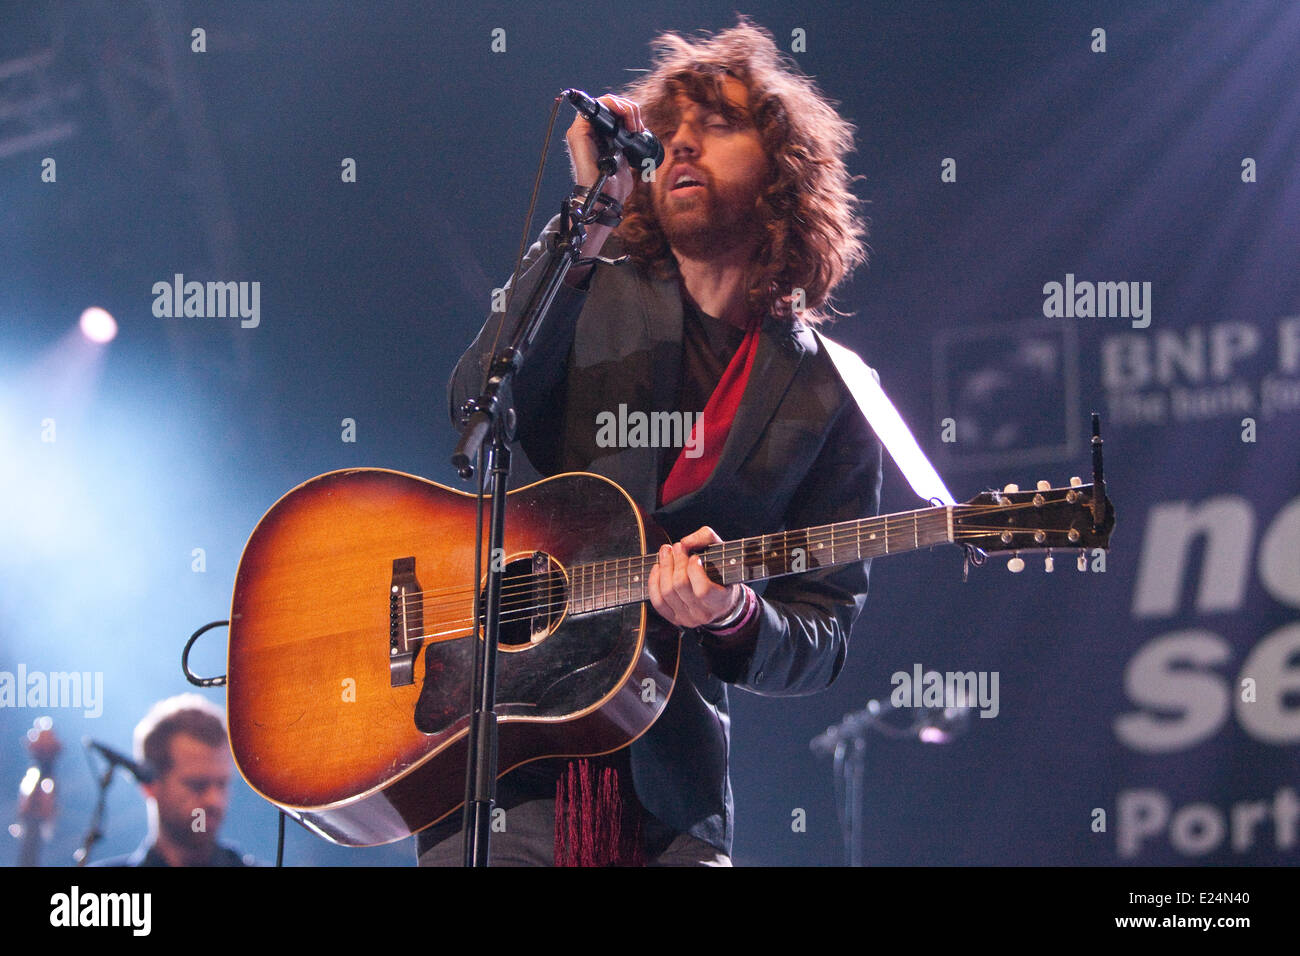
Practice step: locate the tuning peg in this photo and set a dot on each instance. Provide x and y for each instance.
(1044, 485)
(1048, 564)
(1010, 488)
(1082, 563)
(1016, 564)
(1076, 481)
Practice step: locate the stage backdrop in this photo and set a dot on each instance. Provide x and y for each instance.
(1074, 208)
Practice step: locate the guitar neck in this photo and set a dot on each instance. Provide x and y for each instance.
(605, 584)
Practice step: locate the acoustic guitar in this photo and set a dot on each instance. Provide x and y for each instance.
(352, 617)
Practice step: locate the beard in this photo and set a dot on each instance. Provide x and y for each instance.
(180, 829)
(709, 223)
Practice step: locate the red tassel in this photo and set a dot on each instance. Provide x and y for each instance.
(589, 820)
(586, 813)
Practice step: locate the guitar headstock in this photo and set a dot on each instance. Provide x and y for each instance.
(1046, 519)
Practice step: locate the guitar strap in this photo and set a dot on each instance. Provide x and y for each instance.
(864, 385)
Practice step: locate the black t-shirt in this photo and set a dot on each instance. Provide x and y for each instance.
(708, 346)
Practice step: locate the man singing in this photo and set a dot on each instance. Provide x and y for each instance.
(734, 248)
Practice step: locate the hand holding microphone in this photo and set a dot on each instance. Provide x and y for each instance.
(613, 116)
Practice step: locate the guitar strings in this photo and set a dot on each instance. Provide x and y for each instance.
(523, 613)
(824, 534)
(512, 613)
(518, 600)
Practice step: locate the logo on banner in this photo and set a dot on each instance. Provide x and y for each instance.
(1224, 370)
(1007, 394)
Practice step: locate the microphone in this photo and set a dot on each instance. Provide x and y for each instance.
(636, 148)
(144, 773)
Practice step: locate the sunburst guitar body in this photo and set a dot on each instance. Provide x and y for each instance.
(350, 644)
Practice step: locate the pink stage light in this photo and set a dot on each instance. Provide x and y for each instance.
(98, 326)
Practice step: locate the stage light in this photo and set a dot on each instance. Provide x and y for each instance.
(98, 326)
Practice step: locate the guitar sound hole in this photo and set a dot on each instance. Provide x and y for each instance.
(534, 595)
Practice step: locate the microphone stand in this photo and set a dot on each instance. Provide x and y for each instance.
(95, 832)
(488, 415)
(847, 743)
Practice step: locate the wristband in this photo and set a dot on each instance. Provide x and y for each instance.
(738, 617)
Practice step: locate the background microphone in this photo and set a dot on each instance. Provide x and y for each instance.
(144, 772)
(636, 148)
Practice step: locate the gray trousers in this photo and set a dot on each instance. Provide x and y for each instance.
(529, 840)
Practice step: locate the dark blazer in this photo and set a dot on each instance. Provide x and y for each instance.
(799, 454)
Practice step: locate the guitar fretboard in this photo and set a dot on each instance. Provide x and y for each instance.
(605, 584)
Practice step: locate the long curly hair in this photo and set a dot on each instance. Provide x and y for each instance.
(814, 233)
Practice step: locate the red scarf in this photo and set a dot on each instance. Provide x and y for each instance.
(690, 474)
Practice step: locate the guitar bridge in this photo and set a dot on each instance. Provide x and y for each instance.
(540, 622)
(405, 622)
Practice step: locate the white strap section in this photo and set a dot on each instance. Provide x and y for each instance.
(864, 385)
